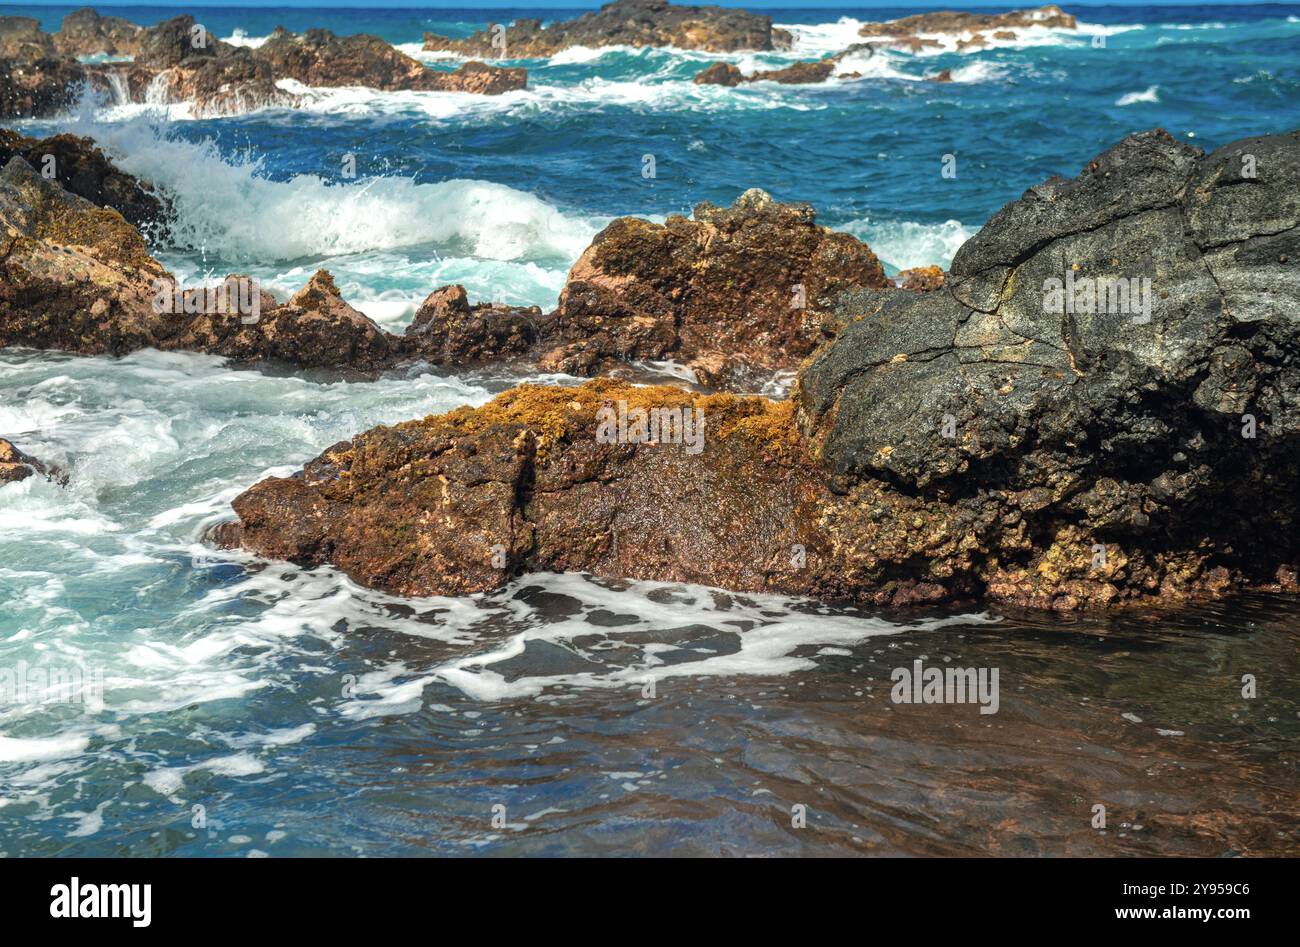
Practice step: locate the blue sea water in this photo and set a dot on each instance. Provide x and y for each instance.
(303, 714)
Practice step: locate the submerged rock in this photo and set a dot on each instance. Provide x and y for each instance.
(622, 23)
(974, 441)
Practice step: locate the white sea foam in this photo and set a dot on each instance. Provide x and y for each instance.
(1149, 94)
(905, 243)
(820, 39)
(16, 750)
(226, 207)
(241, 38)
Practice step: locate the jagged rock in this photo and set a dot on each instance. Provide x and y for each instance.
(720, 73)
(15, 465)
(480, 78)
(943, 75)
(38, 87)
(952, 22)
(84, 170)
(230, 84)
(966, 442)
(1119, 429)
(316, 328)
(739, 292)
(85, 33)
(73, 276)
(23, 40)
(448, 330)
(800, 73)
(319, 58)
(177, 61)
(623, 23)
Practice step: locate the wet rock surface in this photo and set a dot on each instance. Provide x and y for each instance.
(15, 465)
(448, 330)
(737, 294)
(965, 442)
(623, 23)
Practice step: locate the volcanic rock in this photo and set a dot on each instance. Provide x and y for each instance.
(37, 87)
(921, 279)
(316, 328)
(85, 33)
(975, 441)
(448, 330)
(948, 21)
(622, 23)
(84, 170)
(738, 293)
(73, 276)
(800, 73)
(319, 58)
(22, 39)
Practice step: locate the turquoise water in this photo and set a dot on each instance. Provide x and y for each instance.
(307, 715)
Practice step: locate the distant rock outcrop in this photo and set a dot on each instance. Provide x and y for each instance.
(917, 32)
(622, 23)
(320, 58)
(178, 61)
(86, 33)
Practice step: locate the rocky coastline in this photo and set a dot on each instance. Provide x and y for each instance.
(952, 444)
(1097, 405)
(176, 61)
(735, 294)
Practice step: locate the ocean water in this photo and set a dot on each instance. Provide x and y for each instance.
(222, 705)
